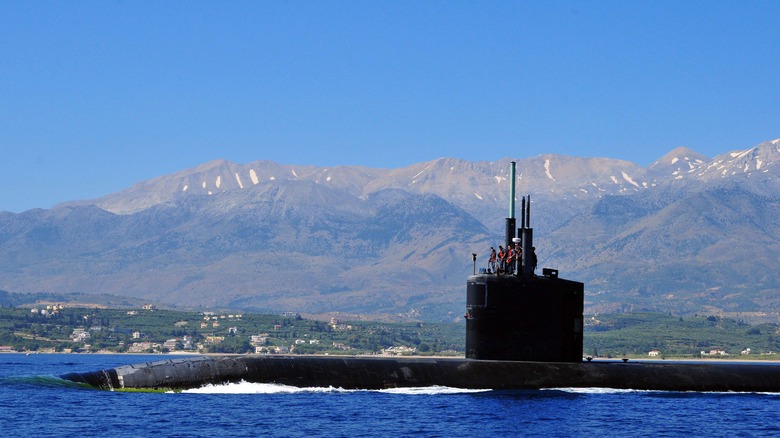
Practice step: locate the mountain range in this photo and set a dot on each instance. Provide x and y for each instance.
(687, 234)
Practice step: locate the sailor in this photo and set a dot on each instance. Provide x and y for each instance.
(492, 261)
(501, 258)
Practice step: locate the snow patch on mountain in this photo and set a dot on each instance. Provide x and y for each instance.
(628, 178)
(547, 169)
(420, 173)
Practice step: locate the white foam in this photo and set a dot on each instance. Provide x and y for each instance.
(255, 388)
(270, 388)
(432, 390)
(598, 390)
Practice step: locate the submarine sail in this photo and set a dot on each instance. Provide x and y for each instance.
(512, 314)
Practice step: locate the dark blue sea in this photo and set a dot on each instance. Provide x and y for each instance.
(34, 402)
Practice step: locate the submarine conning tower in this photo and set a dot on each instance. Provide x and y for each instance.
(512, 314)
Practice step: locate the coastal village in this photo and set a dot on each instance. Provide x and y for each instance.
(59, 328)
(79, 328)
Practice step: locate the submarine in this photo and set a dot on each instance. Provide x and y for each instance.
(523, 331)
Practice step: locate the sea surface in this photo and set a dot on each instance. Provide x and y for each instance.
(35, 403)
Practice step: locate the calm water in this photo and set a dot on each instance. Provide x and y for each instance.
(35, 403)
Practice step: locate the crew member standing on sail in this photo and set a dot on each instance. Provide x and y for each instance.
(510, 259)
(492, 261)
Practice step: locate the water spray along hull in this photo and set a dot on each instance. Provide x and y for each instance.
(381, 373)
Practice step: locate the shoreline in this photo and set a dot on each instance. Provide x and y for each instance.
(595, 359)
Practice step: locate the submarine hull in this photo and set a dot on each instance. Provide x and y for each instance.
(382, 373)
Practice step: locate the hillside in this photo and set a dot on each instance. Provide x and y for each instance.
(687, 234)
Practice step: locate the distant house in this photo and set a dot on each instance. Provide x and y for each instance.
(258, 340)
(140, 347)
(170, 344)
(79, 335)
(214, 339)
(654, 353)
(398, 351)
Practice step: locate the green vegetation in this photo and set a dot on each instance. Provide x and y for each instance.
(635, 335)
(146, 331)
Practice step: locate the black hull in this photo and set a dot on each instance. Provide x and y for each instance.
(381, 373)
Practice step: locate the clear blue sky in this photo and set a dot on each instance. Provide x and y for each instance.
(98, 95)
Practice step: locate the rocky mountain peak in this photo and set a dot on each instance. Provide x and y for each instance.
(678, 162)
